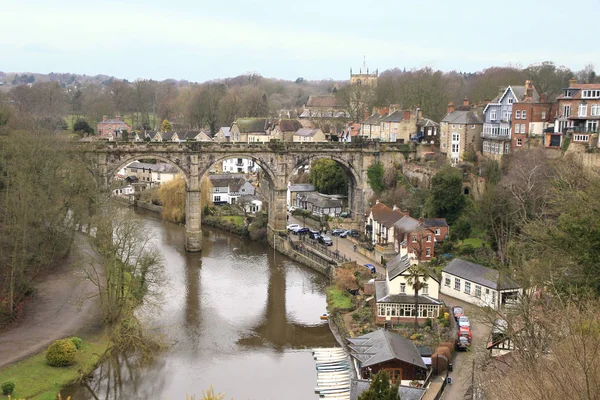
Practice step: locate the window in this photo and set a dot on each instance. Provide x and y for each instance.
(506, 148)
(468, 287)
(455, 148)
(518, 114)
(456, 137)
(158, 176)
(566, 111)
(582, 110)
(543, 114)
(453, 126)
(437, 232)
(581, 138)
(477, 291)
(217, 198)
(403, 288)
(595, 110)
(429, 238)
(493, 115)
(524, 114)
(517, 128)
(425, 289)
(587, 94)
(511, 100)
(456, 284)
(428, 252)
(443, 145)
(519, 142)
(447, 282)
(523, 128)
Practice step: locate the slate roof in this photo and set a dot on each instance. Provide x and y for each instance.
(382, 295)
(462, 118)
(306, 132)
(479, 274)
(233, 182)
(385, 215)
(226, 131)
(251, 125)
(289, 125)
(302, 187)
(160, 167)
(322, 201)
(381, 346)
(323, 101)
(112, 121)
(428, 122)
(406, 392)
(167, 135)
(399, 264)
(396, 116)
(372, 120)
(406, 224)
(434, 222)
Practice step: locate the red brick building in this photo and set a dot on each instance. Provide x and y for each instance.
(530, 119)
(578, 114)
(112, 127)
(419, 236)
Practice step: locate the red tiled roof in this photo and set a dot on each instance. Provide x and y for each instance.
(385, 215)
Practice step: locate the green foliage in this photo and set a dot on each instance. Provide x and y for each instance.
(446, 199)
(461, 229)
(565, 144)
(381, 388)
(338, 299)
(77, 342)
(61, 353)
(82, 126)
(375, 177)
(8, 387)
(490, 170)
(328, 177)
(166, 126)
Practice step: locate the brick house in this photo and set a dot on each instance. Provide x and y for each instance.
(285, 129)
(578, 114)
(417, 237)
(530, 121)
(111, 127)
(460, 131)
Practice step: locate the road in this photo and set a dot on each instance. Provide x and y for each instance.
(344, 245)
(462, 373)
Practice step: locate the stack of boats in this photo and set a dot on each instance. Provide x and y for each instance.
(333, 373)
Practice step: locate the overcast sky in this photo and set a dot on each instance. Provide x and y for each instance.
(200, 40)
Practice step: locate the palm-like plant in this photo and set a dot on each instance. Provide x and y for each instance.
(417, 278)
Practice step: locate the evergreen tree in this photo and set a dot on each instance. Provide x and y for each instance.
(380, 389)
(166, 126)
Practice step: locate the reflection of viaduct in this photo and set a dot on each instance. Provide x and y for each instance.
(277, 160)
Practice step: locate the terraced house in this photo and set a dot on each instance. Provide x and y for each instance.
(250, 130)
(460, 131)
(578, 114)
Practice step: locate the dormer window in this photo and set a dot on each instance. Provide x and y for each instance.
(567, 93)
(590, 94)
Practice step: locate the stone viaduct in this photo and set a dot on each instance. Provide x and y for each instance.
(278, 161)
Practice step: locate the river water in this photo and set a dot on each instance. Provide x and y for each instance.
(238, 317)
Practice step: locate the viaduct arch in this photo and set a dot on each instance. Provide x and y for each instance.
(278, 161)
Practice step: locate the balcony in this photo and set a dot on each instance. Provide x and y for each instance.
(582, 129)
(499, 131)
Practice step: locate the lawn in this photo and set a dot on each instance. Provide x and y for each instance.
(338, 299)
(35, 379)
(236, 219)
(475, 242)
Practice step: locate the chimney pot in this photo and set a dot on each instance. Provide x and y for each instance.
(450, 107)
(466, 102)
(406, 213)
(572, 82)
(377, 201)
(394, 208)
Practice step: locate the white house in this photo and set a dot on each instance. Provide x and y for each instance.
(239, 165)
(294, 190)
(479, 285)
(251, 204)
(228, 188)
(381, 223)
(152, 174)
(395, 297)
(123, 190)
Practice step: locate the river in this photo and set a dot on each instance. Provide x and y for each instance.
(237, 316)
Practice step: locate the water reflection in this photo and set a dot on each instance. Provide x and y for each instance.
(239, 317)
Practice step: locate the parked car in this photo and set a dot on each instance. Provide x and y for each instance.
(314, 235)
(344, 234)
(465, 331)
(300, 231)
(354, 233)
(371, 268)
(464, 321)
(462, 343)
(326, 240)
(345, 214)
(337, 231)
(458, 312)
(292, 208)
(292, 226)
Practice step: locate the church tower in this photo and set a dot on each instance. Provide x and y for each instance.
(364, 77)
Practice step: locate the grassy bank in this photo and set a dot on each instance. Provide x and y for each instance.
(338, 299)
(35, 379)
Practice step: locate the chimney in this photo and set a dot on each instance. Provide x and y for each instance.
(366, 115)
(394, 107)
(572, 82)
(104, 118)
(466, 102)
(419, 114)
(394, 208)
(543, 98)
(450, 107)
(406, 116)
(406, 213)
(487, 101)
(377, 201)
(528, 90)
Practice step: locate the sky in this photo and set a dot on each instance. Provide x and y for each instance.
(200, 40)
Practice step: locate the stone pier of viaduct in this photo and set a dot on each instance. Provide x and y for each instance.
(278, 161)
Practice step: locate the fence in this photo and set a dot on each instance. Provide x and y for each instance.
(323, 249)
(305, 251)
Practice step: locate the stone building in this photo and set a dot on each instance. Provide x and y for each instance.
(112, 127)
(250, 130)
(460, 131)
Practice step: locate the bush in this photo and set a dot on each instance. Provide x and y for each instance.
(8, 387)
(76, 341)
(61, 353)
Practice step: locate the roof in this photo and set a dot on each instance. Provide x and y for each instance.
(396, 116)
(399, 264)
(302, 187)
(233, 182)
(160, 167)
(382, 295)
(112, 121)
(323, 101)
(385, 215)
(406, 392)
(167, 135)
(248, 125)
(226, 130)
(381, 346)
(428, 122)
(289, 125)
(322, 201)
(434, 222)
(372, 120)
(462, 118)
(479, 274)
(306, 132)
(406, 224)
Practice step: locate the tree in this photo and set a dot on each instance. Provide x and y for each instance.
(587, 74)
(375, 177)
(357, 100)
(446, 199)
(82, 126)
(166, 126)
(548, 78)
(380, 388)
(417, 278)
(328, 177)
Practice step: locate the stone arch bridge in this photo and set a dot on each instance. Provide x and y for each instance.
(278, 161)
